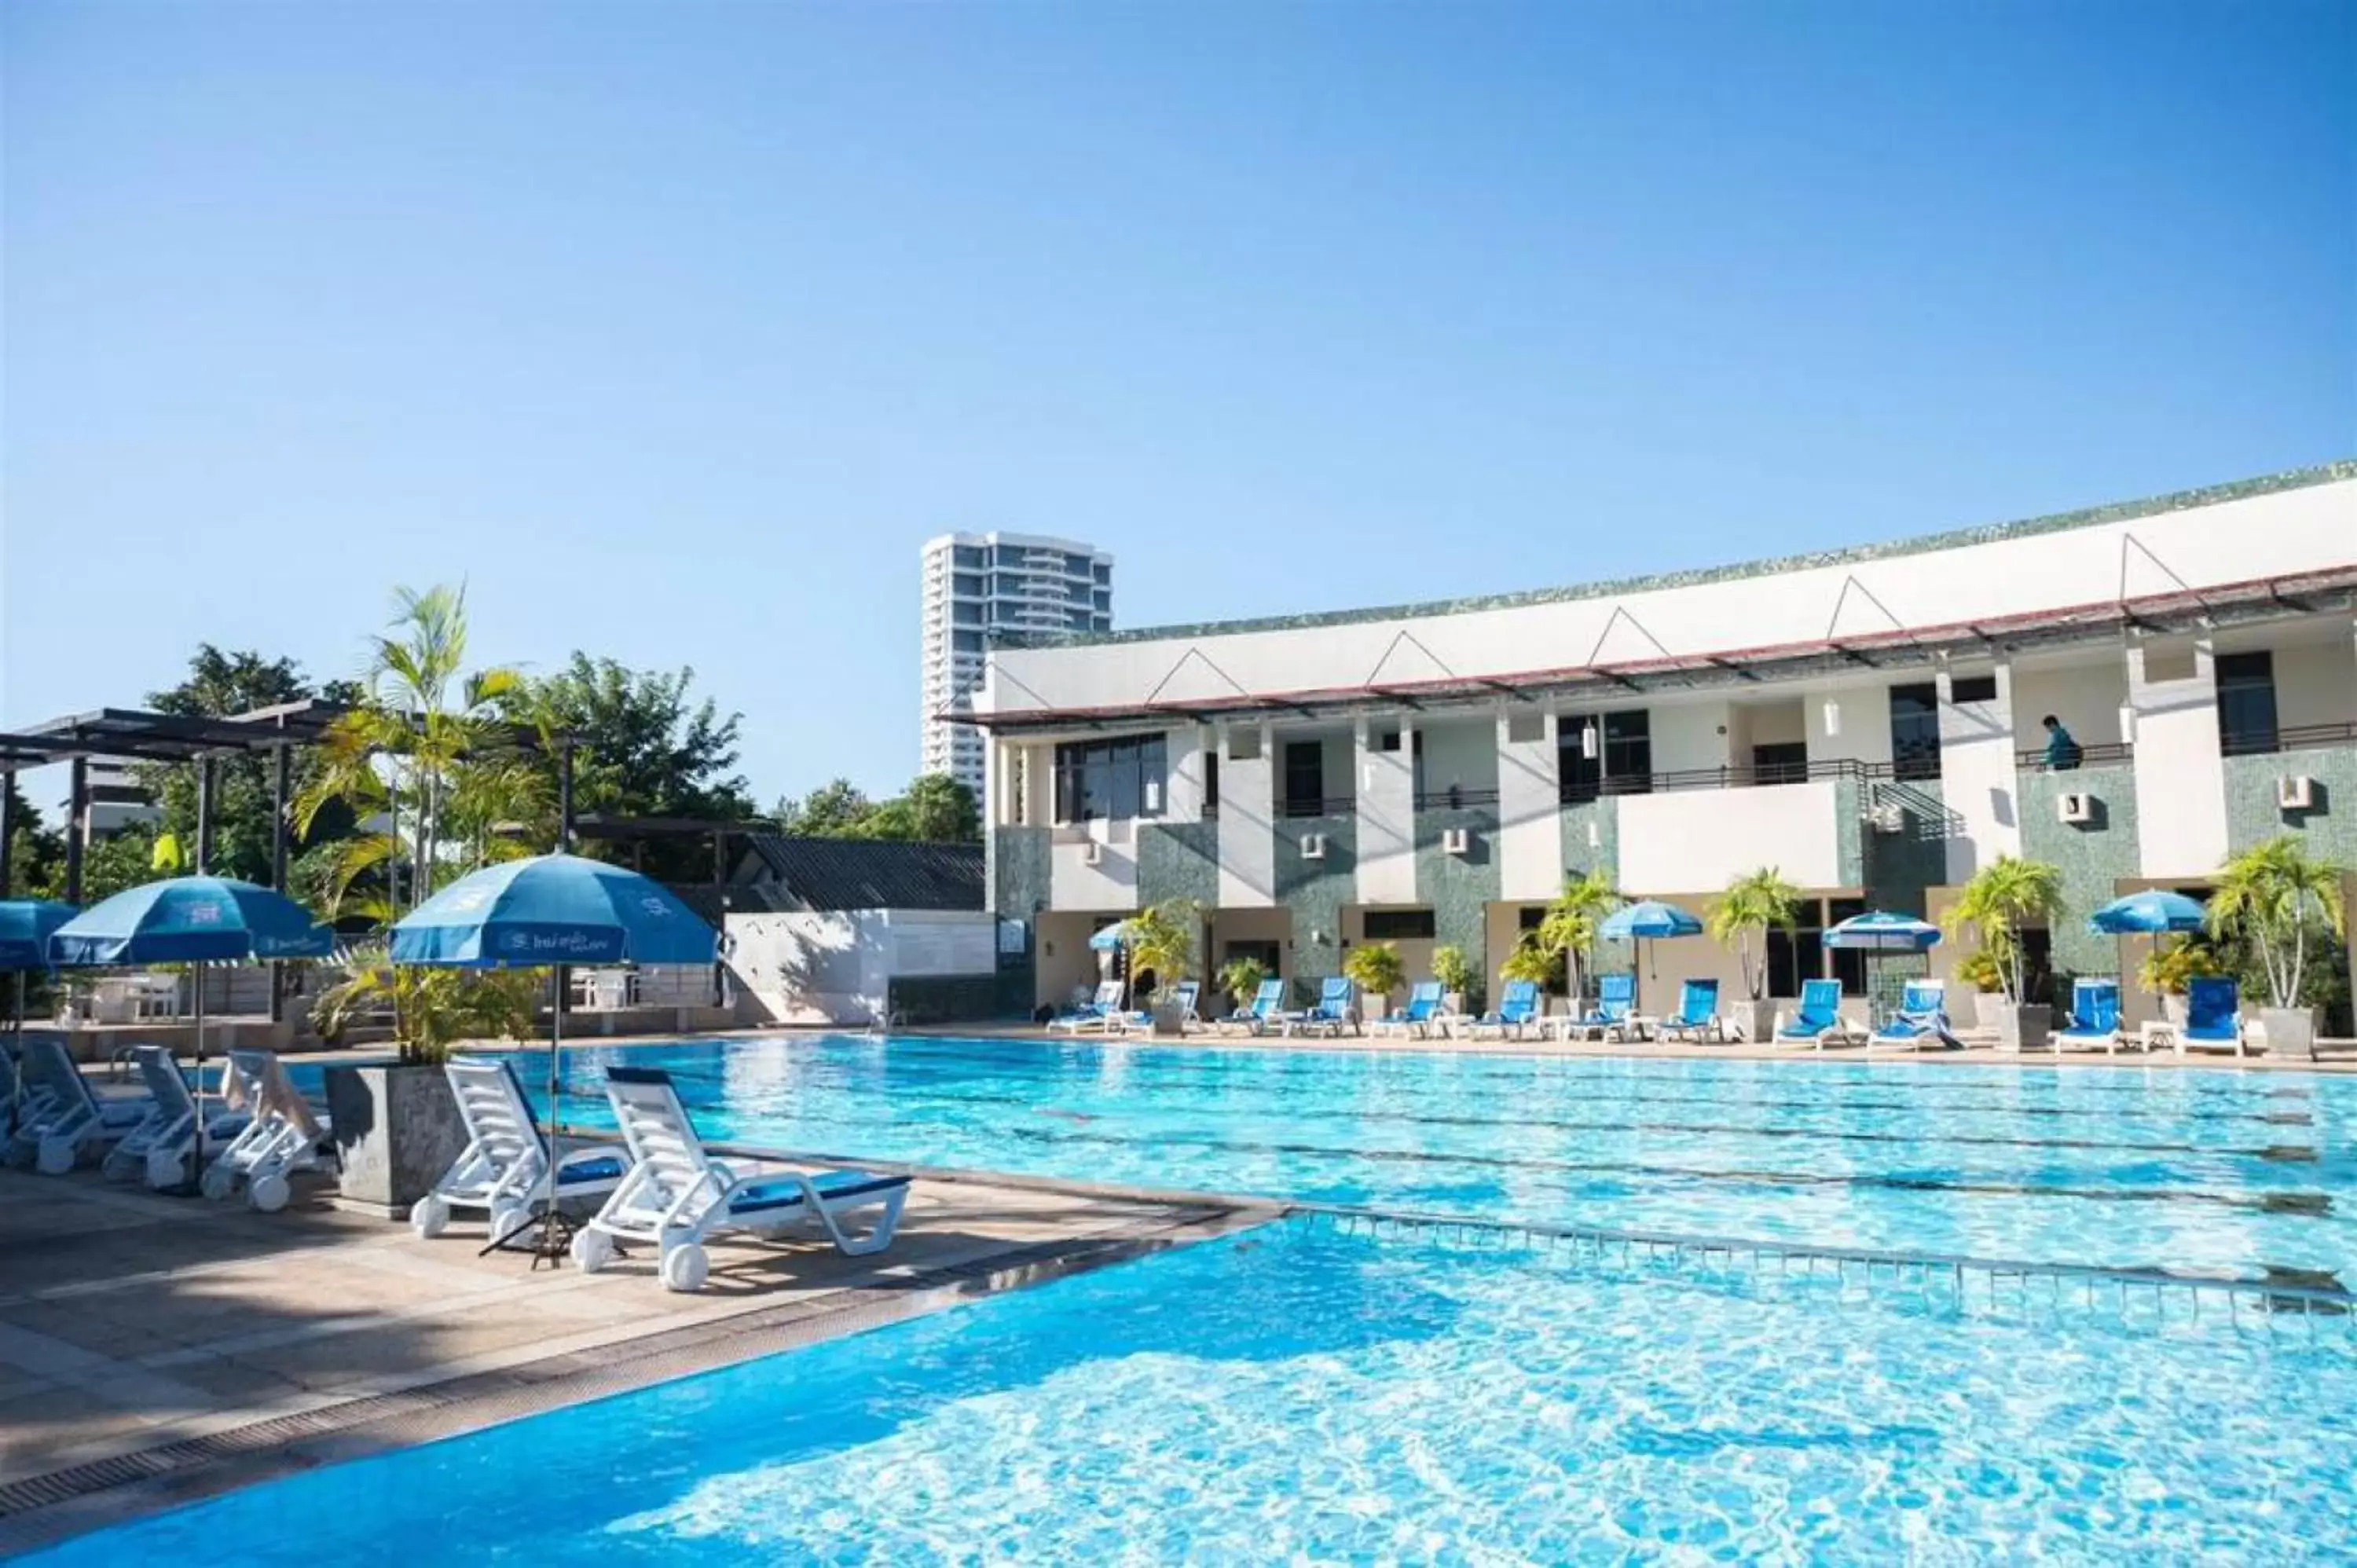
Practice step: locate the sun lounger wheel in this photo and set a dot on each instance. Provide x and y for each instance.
(164, 1168)
(508, 1219)
(56, 1156)
(428, 1215)
(685, 1267)
(268, 1193)
(217, 1183)
(592, 1250)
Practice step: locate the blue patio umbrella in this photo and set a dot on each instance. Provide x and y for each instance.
(1882, 931)
(1646, 920)
(552, 911)
(2149, 913)
(25, 925)
(195, 920)
(1112, 938)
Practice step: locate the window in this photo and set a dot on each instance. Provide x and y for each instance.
(1525, 729)
(1305, 778)
(1078, 565)
(1798, 954)
(1397, 925)
(1110, 779)
(1211, 780)
(1915, 731)
(965, 613)
(1848, 963)
(966, 556)
(2246, 704)
(1265, 953)
(1780, 762)
(1243, 745)
(1624, 761)
(966, 588)
(1103, 572)
(1388, 740)
(966, 641)
(1973, 689)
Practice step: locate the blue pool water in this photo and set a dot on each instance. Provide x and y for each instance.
(1299, 1395)
(2237, 1175)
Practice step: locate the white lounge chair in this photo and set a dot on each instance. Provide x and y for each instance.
(676, 1196)
(61, 1120)
(283, 1137)
(1102, 1015)
(161, 1146)
(503, 1170)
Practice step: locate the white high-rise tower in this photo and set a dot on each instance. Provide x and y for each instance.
(976, 584)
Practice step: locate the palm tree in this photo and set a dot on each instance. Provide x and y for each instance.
(2004, 896)
(1162, 939)
(2272, 894)
(423, 756)
(1753, 903)
(1375, 968)
(1570, 924)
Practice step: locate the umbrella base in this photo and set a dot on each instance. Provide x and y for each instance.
(552, 1246)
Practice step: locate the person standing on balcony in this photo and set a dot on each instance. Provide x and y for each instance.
(2063, 753)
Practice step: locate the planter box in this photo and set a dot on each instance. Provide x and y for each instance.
(1169, 1022)
(1757, 1020)
(2025, 1029)
(2172, 1007)
(2291, 1031)
(1989, 1008)
(397, 1131)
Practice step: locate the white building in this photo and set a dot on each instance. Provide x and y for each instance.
(1866, 720)
(979, 584)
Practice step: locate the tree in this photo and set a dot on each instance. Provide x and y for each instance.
(1162, 939)
(2277, 897)
(1241, 978)
(220, 684)
(433, 1007)
(643, 747)
(1753, 903)
(833, 811)
(35, 853)
(427, 753)
(1570, 924)
(1453, 970)
(2004, 896)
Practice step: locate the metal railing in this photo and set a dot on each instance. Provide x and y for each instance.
(2095, 756)
(1332, 806)
(2287, 738)
(1732, 776)
(1454, 799)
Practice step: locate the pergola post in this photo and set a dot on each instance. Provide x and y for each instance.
(78, 789)
(7, 826)
(283, 758)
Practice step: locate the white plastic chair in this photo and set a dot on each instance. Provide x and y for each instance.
(503, 1170)
(160, 1147)
(283, 1137)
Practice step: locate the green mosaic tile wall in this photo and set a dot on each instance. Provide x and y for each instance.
(2253, 817)
(1179, 860)
(1900, 867)
(1580, 858)
(1315, 891)
(1460, 887)
(1849, 800)
(1018, 871)
(2093, 857)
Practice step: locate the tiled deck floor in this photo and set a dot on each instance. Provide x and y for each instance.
(130, 1322)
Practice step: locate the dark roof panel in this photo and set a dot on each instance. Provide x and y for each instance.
(874, 874)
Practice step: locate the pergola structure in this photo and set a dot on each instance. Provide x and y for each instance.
(136, 734)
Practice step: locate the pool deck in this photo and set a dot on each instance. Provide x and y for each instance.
(153, 1350)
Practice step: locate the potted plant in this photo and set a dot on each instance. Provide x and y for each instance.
(1162, 939)
(1375, 968)
(2278, 898)
(1979, 970)
(2169, 971)
(1456, 974)
(396, 1124)
(1241, 979)
(1754, 903)
(2003, 896)
(1535, 961)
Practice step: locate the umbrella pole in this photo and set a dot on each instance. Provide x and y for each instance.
(196, 1149)
(555, 1237)
(15, 1060)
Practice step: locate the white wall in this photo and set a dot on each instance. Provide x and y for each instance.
(2316, 683)
(1864, 721)
(1530, 815)
(824, 968)
(1110, 884)
(1686, 736)
(1247, 833)
(1462, 752)
(1690, 839)
(1183, 786)
(1385, 791)
(2085, 695)
(1977, 777)
(2282, 533)
(2180, 780)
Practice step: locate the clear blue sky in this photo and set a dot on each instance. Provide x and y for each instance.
(673, 330)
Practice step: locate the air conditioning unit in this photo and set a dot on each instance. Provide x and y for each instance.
(1888, 818)
(2296, 794)
(1456, 841)
(1313, 846)
(2075, 808)
(1092, 852)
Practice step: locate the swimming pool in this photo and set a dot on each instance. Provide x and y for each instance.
(2243, 1176)
(1298, 1394)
